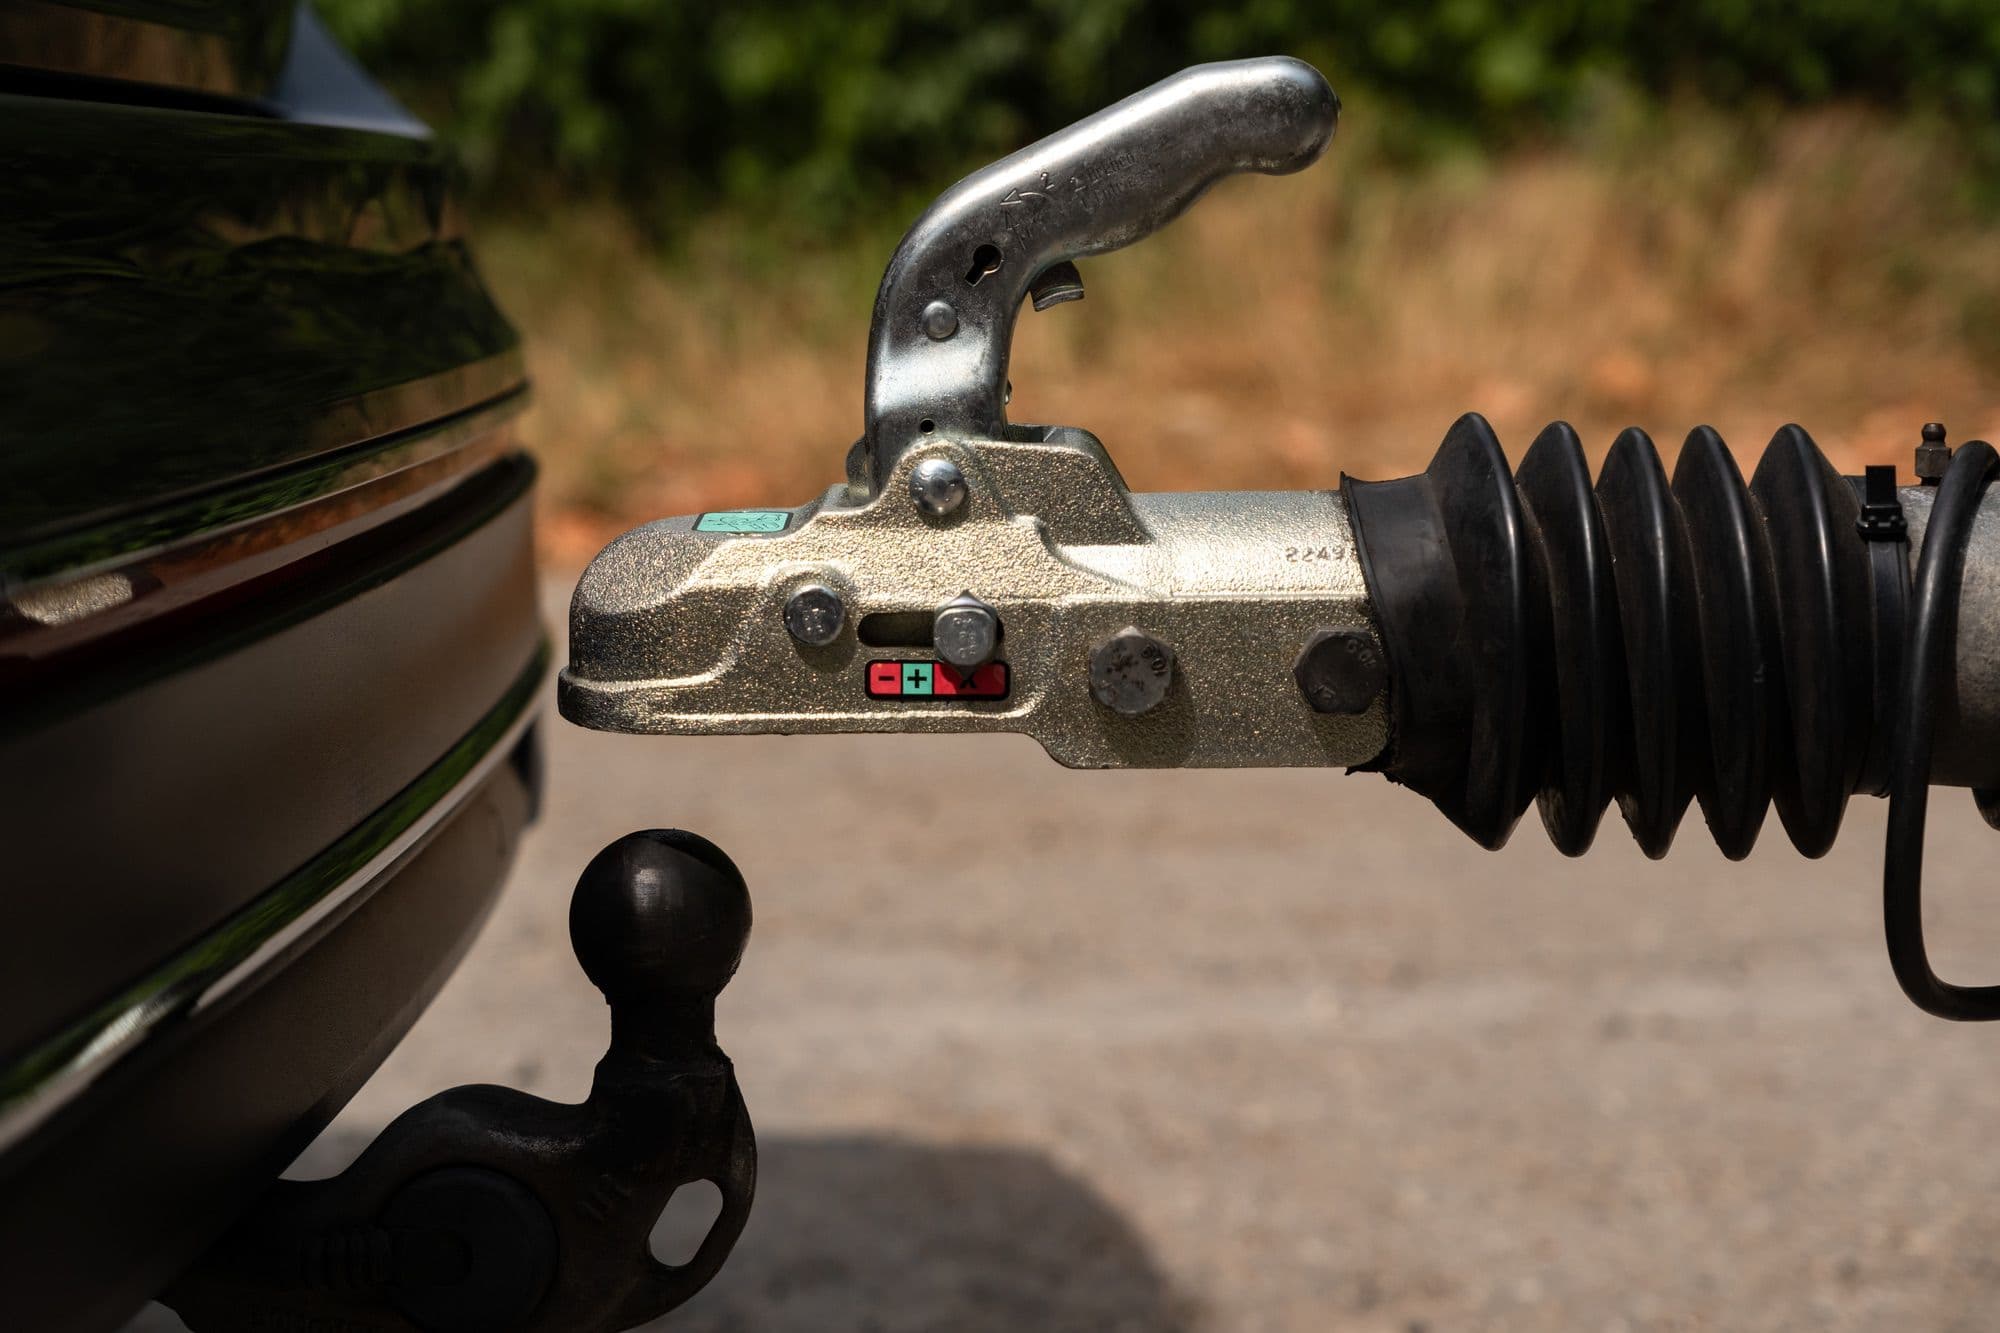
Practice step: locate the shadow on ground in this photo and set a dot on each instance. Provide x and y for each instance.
(887, 1234)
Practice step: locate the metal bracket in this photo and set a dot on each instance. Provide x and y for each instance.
(485, 1208)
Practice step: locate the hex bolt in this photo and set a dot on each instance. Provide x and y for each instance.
(814, 615)
(937, 487)
(1131, 671)
(966, 632)
(1340, 671)
(1933, 455)
(940, 321)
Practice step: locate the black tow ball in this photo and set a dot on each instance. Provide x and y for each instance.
(485, 1208)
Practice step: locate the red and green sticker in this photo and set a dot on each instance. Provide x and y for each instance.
(936, 680)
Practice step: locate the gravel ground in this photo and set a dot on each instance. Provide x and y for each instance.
(1034, 1049)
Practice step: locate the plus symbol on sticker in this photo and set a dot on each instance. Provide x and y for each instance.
(917, 677)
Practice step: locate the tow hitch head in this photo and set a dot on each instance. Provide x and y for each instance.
(974, 575)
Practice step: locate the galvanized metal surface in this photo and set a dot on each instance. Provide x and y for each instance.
(1966, 751)
(675, 630)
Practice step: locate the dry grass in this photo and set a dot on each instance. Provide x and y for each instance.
(1822, 268)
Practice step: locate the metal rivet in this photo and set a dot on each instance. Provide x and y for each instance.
(940, 320)
(814, 615)
(937, 486)
(1131, 671)
(1340, 671)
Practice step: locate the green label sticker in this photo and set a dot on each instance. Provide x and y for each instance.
(744, 520)
(917, 677)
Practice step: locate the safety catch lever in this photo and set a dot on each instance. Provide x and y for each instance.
(943, 327)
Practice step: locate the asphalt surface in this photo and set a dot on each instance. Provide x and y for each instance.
(1035, 1049)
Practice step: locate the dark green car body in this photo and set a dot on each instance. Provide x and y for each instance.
(269, 649)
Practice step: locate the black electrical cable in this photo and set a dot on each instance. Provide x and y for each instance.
(1927, 667)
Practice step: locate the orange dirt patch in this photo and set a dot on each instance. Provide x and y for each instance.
(1826, 270)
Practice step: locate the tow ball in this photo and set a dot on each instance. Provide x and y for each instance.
(488, 1209)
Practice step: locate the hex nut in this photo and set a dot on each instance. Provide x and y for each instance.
(1131, 672)
(1933, 455)
(1341, 671)
(966, 632)
(814, 615)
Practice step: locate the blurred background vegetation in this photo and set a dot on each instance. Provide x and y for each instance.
(1740, 211)
(820, 111)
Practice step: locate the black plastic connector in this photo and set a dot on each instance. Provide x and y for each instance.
(1881, 511)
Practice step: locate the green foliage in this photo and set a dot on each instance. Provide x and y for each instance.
(815, 112)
